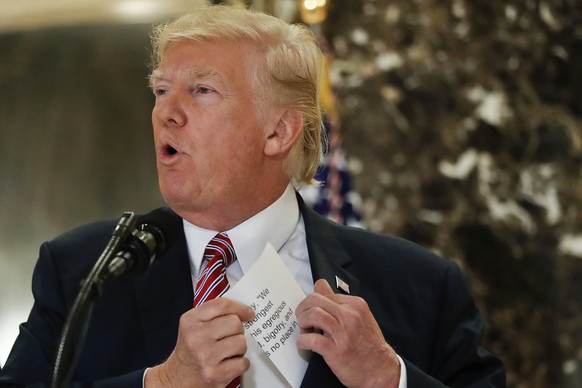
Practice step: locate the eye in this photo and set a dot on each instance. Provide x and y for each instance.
(160, 91)
(204, 90)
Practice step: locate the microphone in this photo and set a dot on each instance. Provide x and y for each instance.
(155, 232)
(130, 249)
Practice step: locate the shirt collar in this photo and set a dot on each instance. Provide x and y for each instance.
(274, 224)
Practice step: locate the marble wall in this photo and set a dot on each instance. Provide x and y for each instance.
(462, 122)
(464, 125)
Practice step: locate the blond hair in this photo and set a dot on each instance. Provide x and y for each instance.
(290, 76)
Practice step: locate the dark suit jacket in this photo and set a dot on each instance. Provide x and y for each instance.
(419, 300)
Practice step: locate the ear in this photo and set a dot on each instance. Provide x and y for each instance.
(280, 139)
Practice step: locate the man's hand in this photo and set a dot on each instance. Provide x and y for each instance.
(210, 347)
(343, 330)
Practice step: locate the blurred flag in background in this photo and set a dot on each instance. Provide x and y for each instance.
(335, 198)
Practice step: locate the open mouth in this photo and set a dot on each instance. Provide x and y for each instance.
(170, 150)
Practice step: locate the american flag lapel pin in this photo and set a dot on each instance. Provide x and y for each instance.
(340, 284)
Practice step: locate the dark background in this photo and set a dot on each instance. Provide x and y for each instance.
(462, 122)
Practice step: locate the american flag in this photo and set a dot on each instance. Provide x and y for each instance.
(335, 198)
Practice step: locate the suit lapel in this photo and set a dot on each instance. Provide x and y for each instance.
(330, 262)
(164, 293)
(327, 257)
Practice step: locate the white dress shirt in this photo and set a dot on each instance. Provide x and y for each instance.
(280, 224)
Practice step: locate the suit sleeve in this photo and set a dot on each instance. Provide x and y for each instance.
(458, 360)
(31, 359)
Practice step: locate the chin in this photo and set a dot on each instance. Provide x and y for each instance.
(173, 194)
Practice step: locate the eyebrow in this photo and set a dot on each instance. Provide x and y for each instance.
(157, 74)
(205, 74)
(195, 73)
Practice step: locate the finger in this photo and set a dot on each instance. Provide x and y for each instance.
(232, 346)
(233, 367)
(340, 299)
(223, 326)
(350, 300)
(222, 373)
(310, 301)
(322, 287)
(316, 300)
(207, 348)
(317, 318)
(316, 342)
(224, 306)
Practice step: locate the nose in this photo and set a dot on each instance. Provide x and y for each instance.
(169, 112)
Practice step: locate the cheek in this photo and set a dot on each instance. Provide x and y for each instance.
(248, 148)
(155, 129)
(155, 119)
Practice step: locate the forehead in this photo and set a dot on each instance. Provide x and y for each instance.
(223, 61)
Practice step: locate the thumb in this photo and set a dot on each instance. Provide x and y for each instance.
(322, 287)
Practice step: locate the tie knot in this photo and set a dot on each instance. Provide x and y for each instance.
(220, 246)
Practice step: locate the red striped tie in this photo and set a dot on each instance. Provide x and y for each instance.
(212, 282)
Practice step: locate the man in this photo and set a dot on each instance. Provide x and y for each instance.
(236, 122)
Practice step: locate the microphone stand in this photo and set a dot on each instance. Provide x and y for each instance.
(77, 321)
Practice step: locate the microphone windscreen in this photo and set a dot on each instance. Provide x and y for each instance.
(164, 224)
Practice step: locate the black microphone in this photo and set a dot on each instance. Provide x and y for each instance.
(130, 249)
(147, 242)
